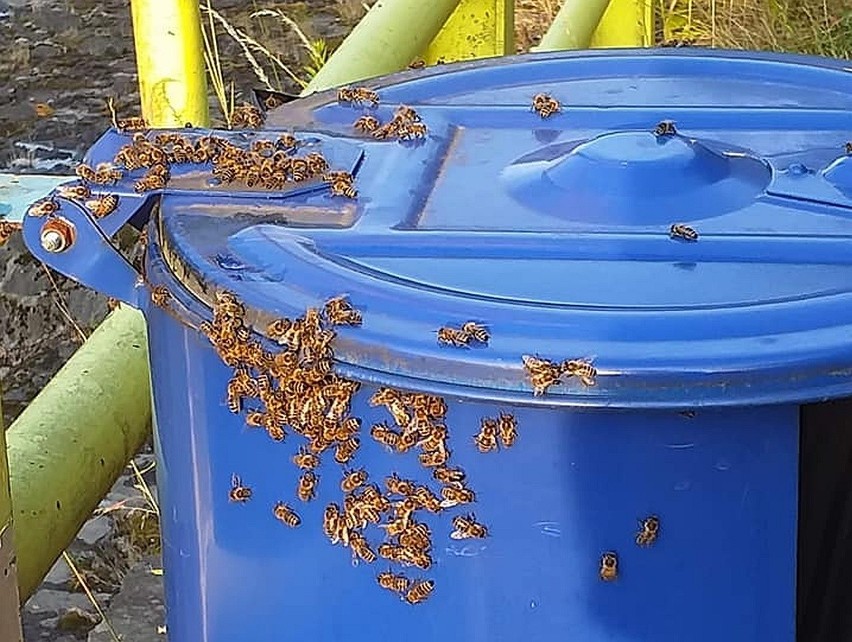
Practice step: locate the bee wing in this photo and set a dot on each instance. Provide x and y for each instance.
(448, 503)
(457, 534)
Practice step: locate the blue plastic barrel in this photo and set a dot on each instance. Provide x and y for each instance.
(667, 232)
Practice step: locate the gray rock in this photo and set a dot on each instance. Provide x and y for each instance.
(95, 530)
(77, 621)
(50, 602)
(138, 610)
(59, 575)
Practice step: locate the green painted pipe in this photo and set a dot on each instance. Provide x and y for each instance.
(388, 38)
(573, 26)
(68, 447)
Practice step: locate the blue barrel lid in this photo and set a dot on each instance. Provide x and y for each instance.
(555, 232)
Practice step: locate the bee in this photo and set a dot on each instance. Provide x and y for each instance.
(384, 435)
(398, 486)
(486, 439)
(278, 329)
(247, 116)
(683, 232)
(385, 397)
(421, 559)
(545, 105)
(448, 475)
(848, 148)
(131, 123)
(609, 566)
(263, 147)
(366, 124)
(333, 524)
(238, 493)
(341, 184)
(317, 164)
(275, 432)
(455, 495)
(361, 548)
(418, 63)
(106, 174)
(581, 369)
(416, 536)
(286, 515)
(287, 143)
(353, 479)
(649, 531)
(149, 182)
(411, 131)
(77, 192)
(452, 337)
(689, 414)
(508, 427)
(306, 460)
(433, 459)
(307, 487)
(357, 96)
(7, 228)
(392, 582)
(406, 114)
(677, 43)
(542, 373)
(476, 331)
(44, 207)
(339, 311)
(392, 552)
(112, 303)
(419, 591)
(466, 527)
(665, 128)
(427, 499)
(346, 450)
(160, 296)
(103, 205)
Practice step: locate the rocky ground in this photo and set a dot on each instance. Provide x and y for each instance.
(60, 61)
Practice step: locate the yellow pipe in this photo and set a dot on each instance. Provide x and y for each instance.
(170, 62)
(476, 29)
(626, 23)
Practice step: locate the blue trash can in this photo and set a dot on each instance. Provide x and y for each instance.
(509, 350)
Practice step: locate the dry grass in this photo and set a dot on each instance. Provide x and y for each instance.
(532, 18)
(822, 27)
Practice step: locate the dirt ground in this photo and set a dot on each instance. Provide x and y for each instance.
(60, 61)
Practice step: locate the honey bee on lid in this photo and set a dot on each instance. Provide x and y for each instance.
(609, 566)
(649, 530)
(683, 232)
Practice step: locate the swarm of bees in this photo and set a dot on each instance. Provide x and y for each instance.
(7, 228)
(357, 96)
(462, 337)
(545, 105)
(246, 116)
(683, 232)
(544, 373)
(406, 124)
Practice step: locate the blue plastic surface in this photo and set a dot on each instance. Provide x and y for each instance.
(554, 233)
